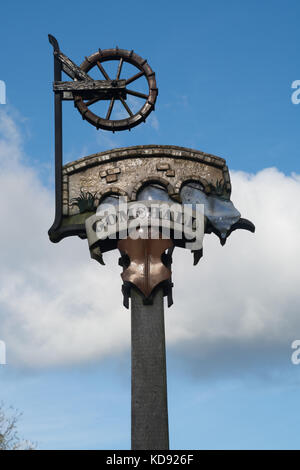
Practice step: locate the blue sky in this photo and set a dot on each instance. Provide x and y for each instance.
(224, 72)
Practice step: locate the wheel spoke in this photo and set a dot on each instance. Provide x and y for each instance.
(136, 93)
(119, 68)
(135, 77)
(101, 68)
(92, 101)
(111, 105)
(126, 106)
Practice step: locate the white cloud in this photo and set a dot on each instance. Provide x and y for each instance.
(154, 123)
(55, 302)
(243, 299)
(57, 306)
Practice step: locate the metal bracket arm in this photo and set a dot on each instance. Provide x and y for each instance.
(100, 89)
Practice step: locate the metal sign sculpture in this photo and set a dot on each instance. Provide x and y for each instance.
(85, 91)
(99, 196)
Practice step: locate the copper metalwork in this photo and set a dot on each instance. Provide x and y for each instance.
(146, 263)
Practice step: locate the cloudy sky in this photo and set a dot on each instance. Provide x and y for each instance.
(224, 73)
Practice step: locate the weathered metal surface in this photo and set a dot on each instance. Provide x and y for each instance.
(124, 172)
(56, 226)
(89, 91)
(139, 220)
(149, 407)
(97, 60)
(66, 64)
(101, 89)
(81, 185)
(145, 267)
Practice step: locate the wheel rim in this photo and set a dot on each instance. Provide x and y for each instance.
(96, 60)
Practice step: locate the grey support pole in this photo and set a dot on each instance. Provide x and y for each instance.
(149, 409)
